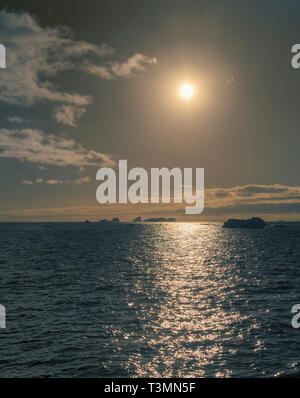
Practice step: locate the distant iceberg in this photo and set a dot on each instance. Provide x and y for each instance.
(254, 222)
(160, 219)
(137, 219)
(115, 220)
(104, 221)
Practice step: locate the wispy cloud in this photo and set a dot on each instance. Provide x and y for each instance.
(68, 114)
(128, 68)
(252, 194)
(82, 180)
(37, 147)
(16, 119)
(131, 66)
(270, 207)
(77, 181)
(35, 54)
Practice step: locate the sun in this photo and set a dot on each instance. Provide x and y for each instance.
(186, 91)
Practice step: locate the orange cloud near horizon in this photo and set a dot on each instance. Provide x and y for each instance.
(271, 202)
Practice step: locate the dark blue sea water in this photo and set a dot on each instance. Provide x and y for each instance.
(91, 300)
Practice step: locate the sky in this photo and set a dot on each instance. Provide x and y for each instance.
(89, 83)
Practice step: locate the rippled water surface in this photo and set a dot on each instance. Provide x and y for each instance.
(91, 300)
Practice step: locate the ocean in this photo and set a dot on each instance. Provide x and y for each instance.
(148, 300)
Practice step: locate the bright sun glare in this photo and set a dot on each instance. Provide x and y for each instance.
(187, 91)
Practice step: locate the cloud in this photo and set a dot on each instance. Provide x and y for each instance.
(270, 207)
(103, 72)
(128, 212)
(251, 194)
(82, 180)
(126, 69)
(35, 54)
(52, 182)
(256, 209)
(36, 147)
(16, 119)
(68, 114)
(133, 65)
(77, 181)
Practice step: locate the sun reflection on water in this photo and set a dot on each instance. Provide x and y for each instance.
(192, 291)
